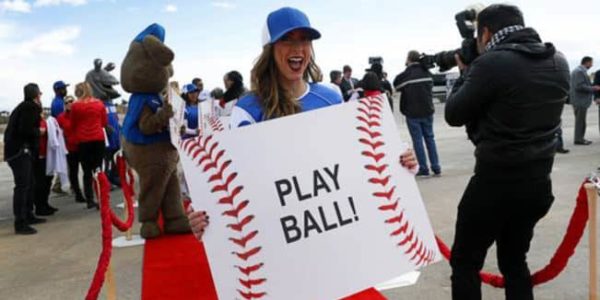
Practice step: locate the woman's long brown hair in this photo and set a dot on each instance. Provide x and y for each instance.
(275, 100)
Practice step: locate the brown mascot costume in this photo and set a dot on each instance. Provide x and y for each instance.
(145, 73)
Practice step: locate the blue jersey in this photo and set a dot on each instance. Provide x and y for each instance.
(113, 121)
(191, 116)
(131, 130)
(248, 110)
(57, 107)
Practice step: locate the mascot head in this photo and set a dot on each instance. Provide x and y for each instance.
(147, 65)
(102, 81)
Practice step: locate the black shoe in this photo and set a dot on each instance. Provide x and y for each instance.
(92, 204)
(423, 173)
(79, 199)
(25, 230)
(44, 211)
(437, 173)
(562, 151)
(34, 220)
(583, 143)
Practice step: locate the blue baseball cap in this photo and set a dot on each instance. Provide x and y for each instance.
(59, 85)
(189, 88)
(284, 20)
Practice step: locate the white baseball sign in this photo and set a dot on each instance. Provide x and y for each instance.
(310, 206)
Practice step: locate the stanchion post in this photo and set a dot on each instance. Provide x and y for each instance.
(111, 289)
(592, 195)
(128, 235)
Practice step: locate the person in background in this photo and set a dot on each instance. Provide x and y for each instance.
(192, 111)
(511, 110)
(21, 146)
(42, 182)
(371, 84)
(88, 119)
(348, 85)
(416, 103)
(56, 108)
(234, 90)
(597, 94)
(203, 94)
(581, 96)
(386, 87)
(335, 81)
(64, 120)
(113, 134)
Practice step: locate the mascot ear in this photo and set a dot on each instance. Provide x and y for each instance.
(97, 64)
(158, 51)
(109, 67)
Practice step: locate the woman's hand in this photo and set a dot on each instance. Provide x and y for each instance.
(198, 222)
(409, 161)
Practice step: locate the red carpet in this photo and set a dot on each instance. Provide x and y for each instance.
(175, 267)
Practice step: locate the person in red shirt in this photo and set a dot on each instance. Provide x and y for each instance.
(88, 120)
(64, 120)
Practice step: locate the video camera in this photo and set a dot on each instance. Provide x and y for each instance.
(465, 21)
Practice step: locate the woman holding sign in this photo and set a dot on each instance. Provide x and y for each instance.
(284, 82)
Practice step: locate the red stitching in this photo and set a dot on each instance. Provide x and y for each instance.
(250, 295)
(211, 159)
(369, 110)
(373, 146)
(236, 211)
(378, 169)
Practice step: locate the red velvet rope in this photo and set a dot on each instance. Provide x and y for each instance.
(127, 188)
(108, 217)
(559, 261)
(102, 191)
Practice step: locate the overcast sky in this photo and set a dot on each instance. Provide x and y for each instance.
(46, 40)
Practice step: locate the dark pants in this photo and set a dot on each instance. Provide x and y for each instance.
(22, 169)
(111, 167)
(560, 145)
(501, 211)
(90, 155)
(580, 123)
(42, 184)
(73, 163)
(421, 129)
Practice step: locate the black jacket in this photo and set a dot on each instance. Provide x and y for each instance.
(23, 130)
(511, 99)
(415, 85)
(347, 88)
(597, 82)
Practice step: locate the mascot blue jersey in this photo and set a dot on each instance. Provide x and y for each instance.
(131, 129)
(248, 110)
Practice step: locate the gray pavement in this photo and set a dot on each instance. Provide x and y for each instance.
(59, 261)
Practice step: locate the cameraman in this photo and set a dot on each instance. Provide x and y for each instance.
(510, 99)
(416, 103)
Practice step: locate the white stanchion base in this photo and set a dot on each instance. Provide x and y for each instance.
(122, 242)
(404, 280)
(122, 205)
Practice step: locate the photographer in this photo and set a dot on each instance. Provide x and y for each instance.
(510, 98)
(416, 103)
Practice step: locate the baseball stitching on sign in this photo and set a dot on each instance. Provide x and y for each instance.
(212, 160)
(369, 116)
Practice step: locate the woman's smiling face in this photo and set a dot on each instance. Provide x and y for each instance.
(292, 55)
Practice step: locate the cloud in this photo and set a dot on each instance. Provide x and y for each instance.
(171, 8)
(15, 5)
(223, 4)
(6, 30)
(55, 42)
(41, 3)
